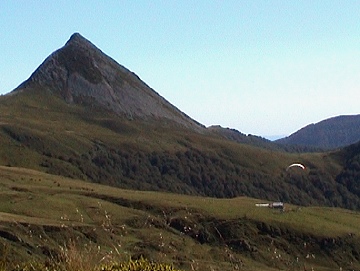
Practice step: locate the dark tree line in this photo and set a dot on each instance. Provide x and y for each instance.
(195, 172)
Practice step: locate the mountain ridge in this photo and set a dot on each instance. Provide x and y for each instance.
(331, 133)
(81, 73)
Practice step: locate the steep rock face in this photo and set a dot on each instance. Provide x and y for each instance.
(81, 73)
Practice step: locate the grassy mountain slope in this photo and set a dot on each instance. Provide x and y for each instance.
(39, 130)
(41, 215)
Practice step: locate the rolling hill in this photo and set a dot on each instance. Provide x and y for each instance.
(331, 133)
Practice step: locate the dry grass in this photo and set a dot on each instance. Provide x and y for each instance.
(73, 257)
(74, 218)
(76, 257)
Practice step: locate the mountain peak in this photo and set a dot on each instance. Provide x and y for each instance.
(81, 73)
(77, 40)
(77, 37)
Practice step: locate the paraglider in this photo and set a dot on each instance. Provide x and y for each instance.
(296, 165)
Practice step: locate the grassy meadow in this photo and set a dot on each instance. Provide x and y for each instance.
(45, 217)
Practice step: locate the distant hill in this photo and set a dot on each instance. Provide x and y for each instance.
(237, 136)
(257, 141)
(327, 134)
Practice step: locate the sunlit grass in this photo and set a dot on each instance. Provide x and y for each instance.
(128, 222)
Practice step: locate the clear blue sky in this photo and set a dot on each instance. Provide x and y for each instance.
(264, 67)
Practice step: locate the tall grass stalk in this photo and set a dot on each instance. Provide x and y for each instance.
(72, 257)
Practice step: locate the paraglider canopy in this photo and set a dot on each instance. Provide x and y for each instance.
(295, 165)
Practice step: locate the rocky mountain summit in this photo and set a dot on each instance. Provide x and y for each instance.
(82, 74)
